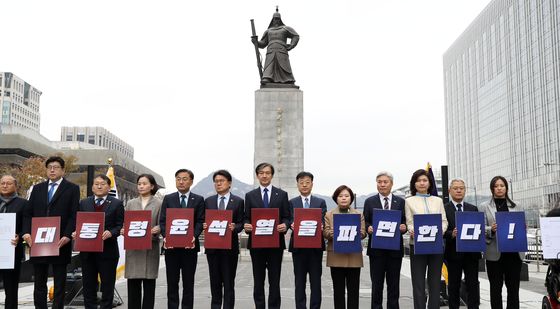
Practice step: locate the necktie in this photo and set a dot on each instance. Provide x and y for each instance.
(306, 204)
(183, 201)
(51, 191)
(386, 204)
(265, 198)
(459, 207)
(3, 207)
(222, 204)
(99, 201)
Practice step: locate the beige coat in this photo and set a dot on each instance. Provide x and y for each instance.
(144, 264)
(342, 259)
(416, 205)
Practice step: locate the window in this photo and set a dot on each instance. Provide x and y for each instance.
(69, 137)
(80, 137)
(91, 139)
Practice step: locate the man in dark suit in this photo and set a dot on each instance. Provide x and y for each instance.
(307, 260)
(263, 259)
(458, 262)
(11, 203)
(56, 197)
(222, 263)
(384, 263)
(102, 264)
(182, 260)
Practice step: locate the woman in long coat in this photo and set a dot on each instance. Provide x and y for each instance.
(142, 266)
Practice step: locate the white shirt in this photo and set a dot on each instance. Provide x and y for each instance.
(186, 197)
(55, 187)
(95, 197)
(389, 199)
(269, 187)
(455, 204)
(226, 200)
(308, 200)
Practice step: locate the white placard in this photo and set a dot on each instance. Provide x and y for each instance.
(550, 231)
(7, 233)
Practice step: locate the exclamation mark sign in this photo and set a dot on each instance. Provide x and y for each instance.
(511, 229)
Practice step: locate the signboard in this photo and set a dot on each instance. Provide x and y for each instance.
(470, 231)
(218, 234)
(386, 229)
(550, 231)
(511, 233)
(89, 231)
(428, 237)
(137, 230)
(179, 228)
(7, 233)
(347, 233)
(45, 235)
(307, 228)
(264, 233)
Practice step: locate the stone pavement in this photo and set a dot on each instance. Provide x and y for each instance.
(531, 292)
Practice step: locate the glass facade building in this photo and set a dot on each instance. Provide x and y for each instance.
(502, 102)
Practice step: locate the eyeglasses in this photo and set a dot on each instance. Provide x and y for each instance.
(54, 167)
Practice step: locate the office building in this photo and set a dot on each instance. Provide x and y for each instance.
(502, 102)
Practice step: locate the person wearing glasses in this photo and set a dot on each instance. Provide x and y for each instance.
(56, 197)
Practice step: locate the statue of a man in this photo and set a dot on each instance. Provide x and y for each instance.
(277, 69)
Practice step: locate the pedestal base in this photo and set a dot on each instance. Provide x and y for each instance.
(279, 134)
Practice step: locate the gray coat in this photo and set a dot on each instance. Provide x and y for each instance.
(489, 210)
(144, 264)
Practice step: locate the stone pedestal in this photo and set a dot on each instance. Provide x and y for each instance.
(279, 134)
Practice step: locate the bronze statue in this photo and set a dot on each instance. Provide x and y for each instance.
(277, 71)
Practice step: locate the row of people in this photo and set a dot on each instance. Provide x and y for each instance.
(59, 197)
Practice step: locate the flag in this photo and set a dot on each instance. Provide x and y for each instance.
(111, 174)
(432, 179)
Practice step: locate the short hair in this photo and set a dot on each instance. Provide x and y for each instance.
(504, 180)
(223, 173)
(384, 173)
(152, 181)
(304, 174)
(457, 180)
(58, 159)
(104, 177)
(414, 178)
(11, 176)
(340, 189)
(184, 170)
(262, 166)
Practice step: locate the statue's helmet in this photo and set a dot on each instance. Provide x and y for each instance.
(276, 18)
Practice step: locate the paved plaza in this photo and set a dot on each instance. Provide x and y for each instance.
(531, 292)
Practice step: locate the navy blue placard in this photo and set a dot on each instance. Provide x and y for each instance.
(386, 232)
(347, 233)
(512, 232)
(428, 237)
(470, 231)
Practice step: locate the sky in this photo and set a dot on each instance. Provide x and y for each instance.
(176, 79)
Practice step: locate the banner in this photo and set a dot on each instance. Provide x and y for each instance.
(218, 234)
(45, 235)
(265, 234)
(7, 233)
(179, 228)
(347, 233)
(386, 229)
(428, 236)
(137, 230)
(307, 228)
(550, 231)
(89, 231)
(470, 231)
(512, 231)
